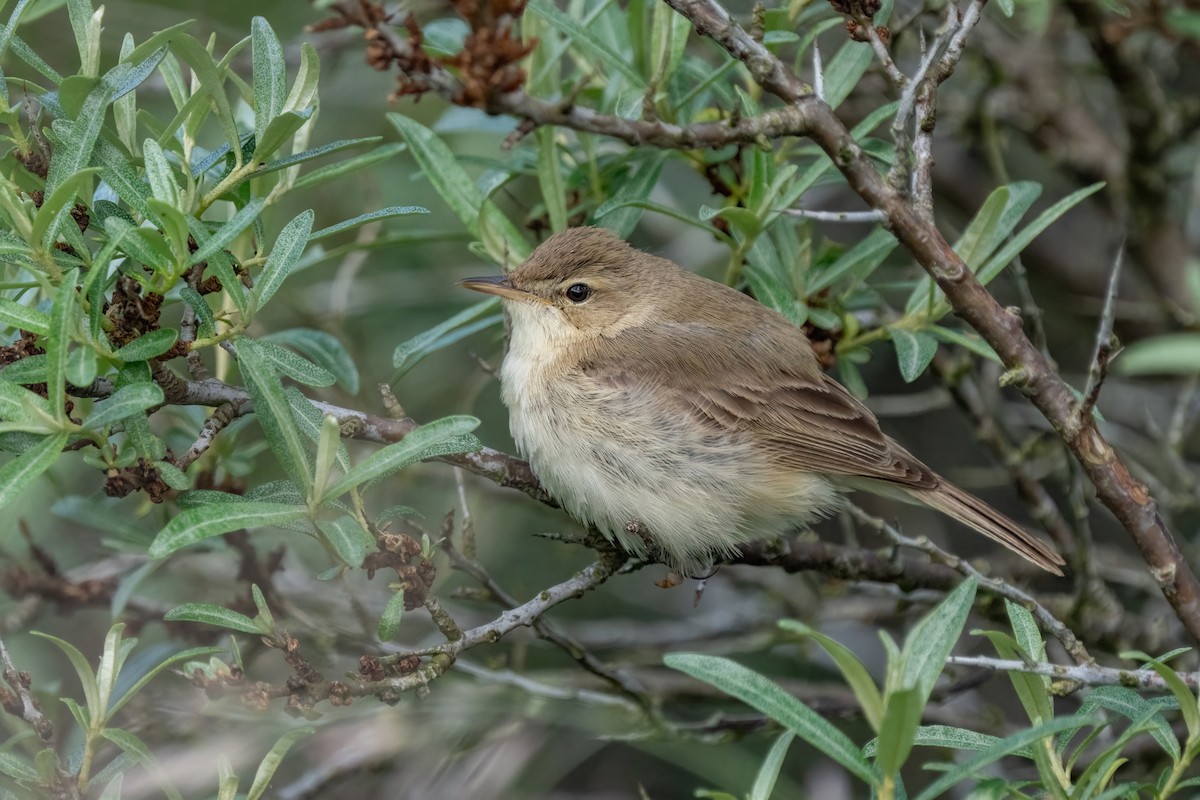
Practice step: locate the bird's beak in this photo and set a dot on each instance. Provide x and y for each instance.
(499, 285)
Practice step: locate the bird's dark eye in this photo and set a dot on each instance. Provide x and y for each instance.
(578, 292)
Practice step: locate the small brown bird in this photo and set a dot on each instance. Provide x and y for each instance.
(682, 418)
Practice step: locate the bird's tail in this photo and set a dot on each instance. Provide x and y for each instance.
(970, 510)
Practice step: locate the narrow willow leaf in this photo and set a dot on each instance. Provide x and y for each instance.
(83, 669)
(952, 738)
(328, 149)
(852, 669)
(768, 774)
(1170, 354)
(371, 216)
(858, 262)
(279, 131)
(288, 364)
(309, 420)
(348, 540)
(274, 413)
(149, 345)
(58, 341)
(621, 212)
(323, 349)
(345, 166)
(224, 235)
(901, 718)
(411, 448)
(389, 621)
(931, 640)
(81, 367)
(409, 353)
(550, 178)
(270, 763)
(18, 768)
(1009, 745)
(204, 522)
(764, 695)
(84, 130)
(914, 351)
(329, 437)
(587, 41)
(218, 616)
(439, 165)
(159, 174)
(16, 475)
(187, 48)
(131, 744)
(270, 75)
(136, 398)
(18, 404)
(23, 317)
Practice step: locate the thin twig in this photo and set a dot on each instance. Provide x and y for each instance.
(1049, 622)
(1089, 674)
(1105, 342)
(29, 709)
(835, 216)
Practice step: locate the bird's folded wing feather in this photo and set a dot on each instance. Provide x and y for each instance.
(777, 393)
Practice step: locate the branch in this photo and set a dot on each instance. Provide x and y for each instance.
(1090, 675)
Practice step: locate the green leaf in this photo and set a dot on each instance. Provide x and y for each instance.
(270, 763)
(191, 51)
(18, 404)
(1030, 689)
(1187, 700)
(324, 350)
(344, 167)
(218, 616)
(304, 89)
(289, 246)
(354, 222)
(466, 322)
(133, 399)
(310, 421)
(81, 367)
(1170, 354)
(931, 640)
(287, 363)
(374, 156)
(137, 748)
(587, 40)
(412, 447)
(1021, 240)
(1132, 705)
(914, 351)
(852, 669)
(859, 261)
(159, 174)
(952, 738)
(389, 621)
(452, 183)
(768, 773)
(619, 213)
(1007, 746)
(17, 474)
(279, 131)
(225, 234)
(87, 678)
(991, 225)
(846, 68)
(22, 317)
(149, 345)
(18, 768)
(768, 697)
(273, 412)
(270, 75)
(348, 540)
(329, 439)
(81, 136)
(56, 208)
(550, 178)
(204, 522)
(901, 718)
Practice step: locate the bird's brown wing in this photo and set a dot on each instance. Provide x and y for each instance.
(765, 382)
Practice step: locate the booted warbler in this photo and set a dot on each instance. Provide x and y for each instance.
(683, 418)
